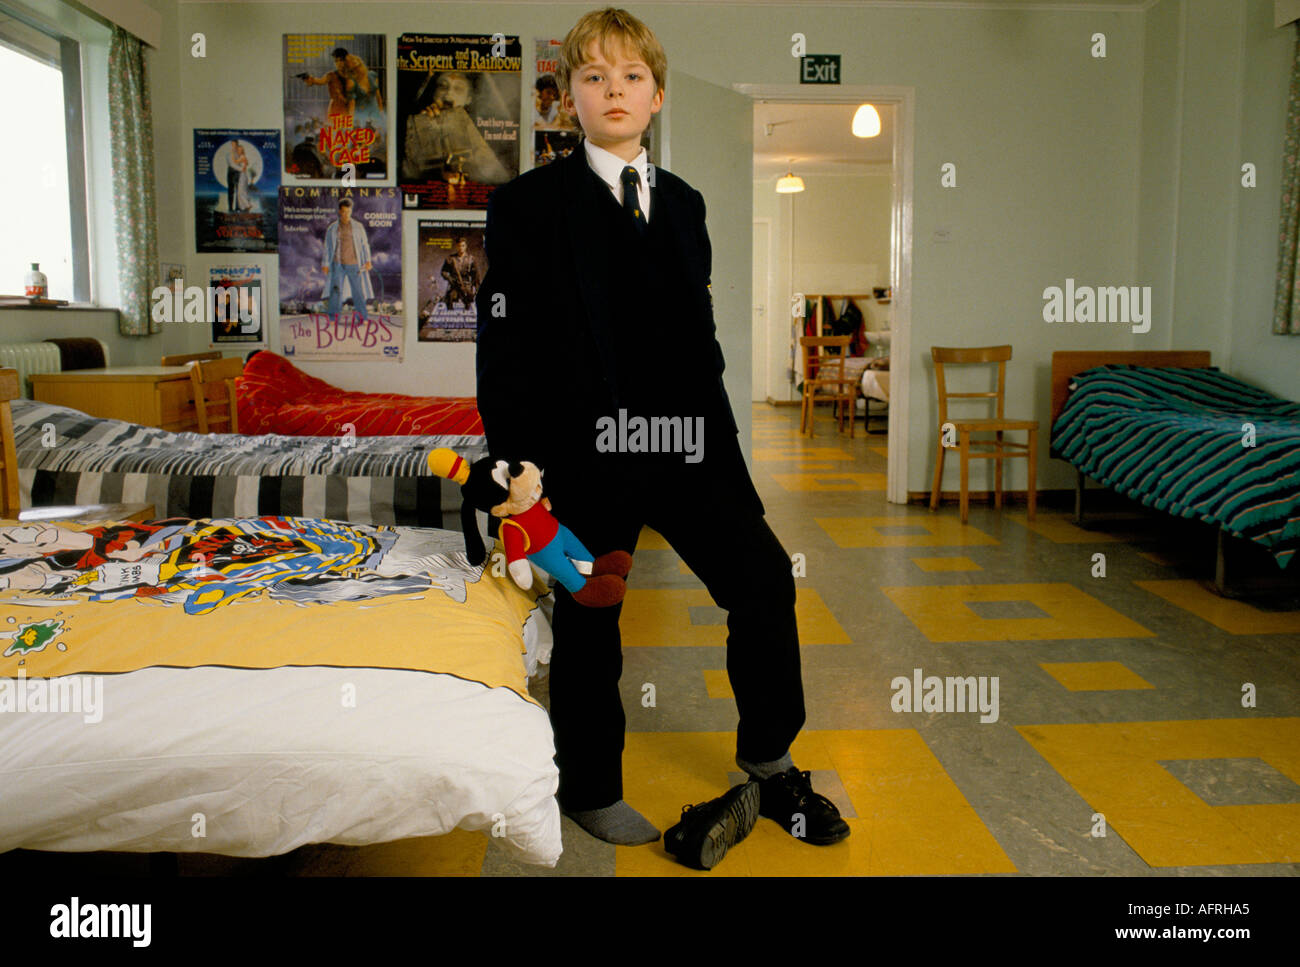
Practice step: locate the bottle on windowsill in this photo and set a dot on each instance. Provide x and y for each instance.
(35, 284)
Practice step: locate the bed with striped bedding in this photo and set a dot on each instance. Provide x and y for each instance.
(1179, 440)
(68, 457)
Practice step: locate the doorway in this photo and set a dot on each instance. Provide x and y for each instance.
(777, 273)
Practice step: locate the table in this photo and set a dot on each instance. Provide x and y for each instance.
(160, 396)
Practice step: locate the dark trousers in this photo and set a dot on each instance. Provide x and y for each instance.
(731, 549)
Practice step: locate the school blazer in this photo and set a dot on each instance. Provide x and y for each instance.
(545, 364)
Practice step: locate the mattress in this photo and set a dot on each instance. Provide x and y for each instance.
(270, 683)
(1195, 443)
(67, 457)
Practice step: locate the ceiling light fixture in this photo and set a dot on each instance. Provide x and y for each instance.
(866, 122)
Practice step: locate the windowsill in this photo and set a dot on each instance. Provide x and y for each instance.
(77, 306)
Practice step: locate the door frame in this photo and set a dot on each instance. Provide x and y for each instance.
(901, 235)
(765, 350)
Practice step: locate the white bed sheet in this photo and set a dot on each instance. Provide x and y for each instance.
(875, 384)
(273, 759)
(537, 637)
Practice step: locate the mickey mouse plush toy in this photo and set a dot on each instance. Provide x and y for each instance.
(513, 492)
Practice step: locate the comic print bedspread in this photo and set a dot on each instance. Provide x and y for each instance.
(294, 680)
(254, 593)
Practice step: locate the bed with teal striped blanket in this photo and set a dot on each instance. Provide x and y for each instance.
(1178, 440)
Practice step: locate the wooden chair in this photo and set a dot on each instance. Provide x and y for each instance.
(824, 379)
(214, 393)
(10, 389)
(998, 449)
(183, 358)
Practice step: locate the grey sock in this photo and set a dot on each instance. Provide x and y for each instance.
(764, 770)
(619, 824)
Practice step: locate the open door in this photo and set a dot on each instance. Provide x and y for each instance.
(709, 142)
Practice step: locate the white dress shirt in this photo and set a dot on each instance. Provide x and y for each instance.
(609, 167)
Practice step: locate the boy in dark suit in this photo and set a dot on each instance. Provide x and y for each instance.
(624, 331)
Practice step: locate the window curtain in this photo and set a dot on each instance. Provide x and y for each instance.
(131, 124)
(1286, 307)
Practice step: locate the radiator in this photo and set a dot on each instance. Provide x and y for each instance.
(28, 358)
(34, 357)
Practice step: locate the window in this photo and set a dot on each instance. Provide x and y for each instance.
(43, 170)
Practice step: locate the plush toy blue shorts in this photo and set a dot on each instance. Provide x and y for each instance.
(554, 559)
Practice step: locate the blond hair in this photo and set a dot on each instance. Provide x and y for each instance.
(599, 26)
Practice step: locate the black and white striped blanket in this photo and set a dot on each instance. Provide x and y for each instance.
(67, 457)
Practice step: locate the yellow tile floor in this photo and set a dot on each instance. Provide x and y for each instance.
(1123, 697)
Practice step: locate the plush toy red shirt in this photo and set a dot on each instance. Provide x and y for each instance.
(531, 531)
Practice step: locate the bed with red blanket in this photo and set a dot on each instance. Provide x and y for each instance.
(274, 396)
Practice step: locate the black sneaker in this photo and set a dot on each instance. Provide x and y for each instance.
(788, 797)
(707, 830)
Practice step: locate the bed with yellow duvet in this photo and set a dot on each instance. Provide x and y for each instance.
(248, 686)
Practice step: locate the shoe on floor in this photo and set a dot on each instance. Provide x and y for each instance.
(789, 795)
(707, 830)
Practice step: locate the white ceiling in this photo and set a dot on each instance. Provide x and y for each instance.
(819, 138)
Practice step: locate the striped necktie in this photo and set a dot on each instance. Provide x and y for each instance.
(631, 199)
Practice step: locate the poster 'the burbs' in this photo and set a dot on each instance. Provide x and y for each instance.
(341, 273)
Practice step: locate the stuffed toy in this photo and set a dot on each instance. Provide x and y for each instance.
(512, 491)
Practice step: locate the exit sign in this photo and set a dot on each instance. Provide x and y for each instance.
(819, 69)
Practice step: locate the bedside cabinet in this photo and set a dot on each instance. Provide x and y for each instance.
(160, 396)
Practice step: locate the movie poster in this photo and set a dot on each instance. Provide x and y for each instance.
(335, 114)
(458, 109)
(341, 273)
(451, 265)
(555, 131)
(236, 190)
(237, 310)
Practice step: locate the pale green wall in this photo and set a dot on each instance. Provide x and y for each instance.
(1258, 356)
(1159, 177)
(1122, 170)
(1209, 187)
(841, 243)
(1042, 134)
(1212, 103)
(841, 235)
